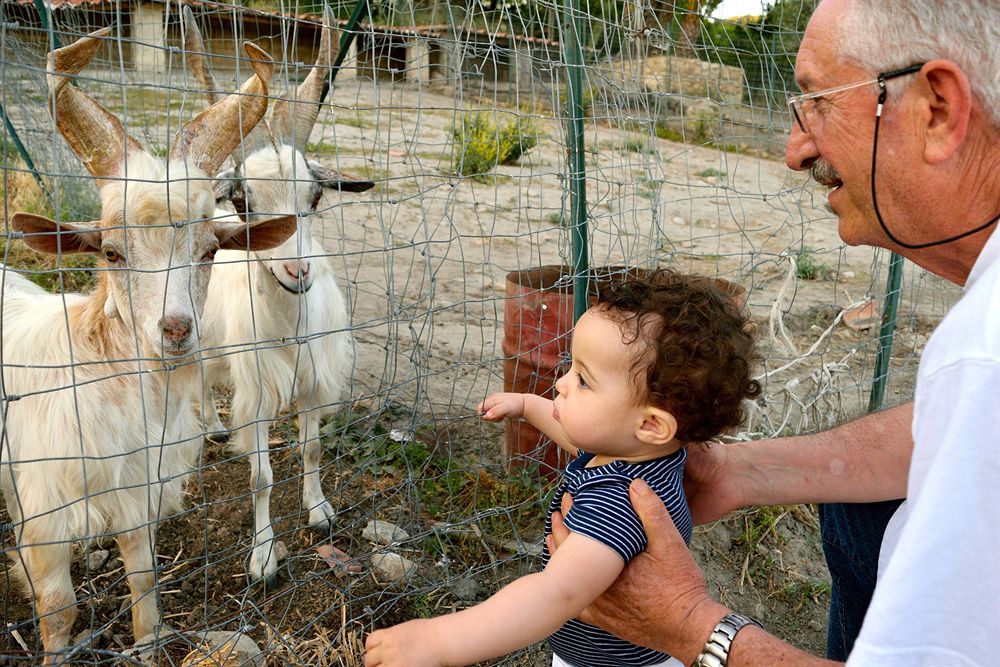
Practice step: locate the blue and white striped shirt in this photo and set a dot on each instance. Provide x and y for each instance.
(602, 511)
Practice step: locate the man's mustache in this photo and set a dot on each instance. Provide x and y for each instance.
(823, 172)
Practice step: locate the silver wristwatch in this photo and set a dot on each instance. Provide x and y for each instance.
(715, 653)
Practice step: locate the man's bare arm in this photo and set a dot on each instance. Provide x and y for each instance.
(865, 460)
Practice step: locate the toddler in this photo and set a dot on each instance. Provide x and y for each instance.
(658, 363)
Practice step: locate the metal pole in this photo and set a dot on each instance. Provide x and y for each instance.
(886, 331)
(43, 14)
(9, 127)
(347, 38)
(573, 56)
(22, 151)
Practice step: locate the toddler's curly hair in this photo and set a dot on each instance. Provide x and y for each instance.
(698, 348)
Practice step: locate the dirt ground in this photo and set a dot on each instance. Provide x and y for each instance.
(423, 259)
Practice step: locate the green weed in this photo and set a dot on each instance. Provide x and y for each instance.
(711, 172)
(808, 268)
(480, 145)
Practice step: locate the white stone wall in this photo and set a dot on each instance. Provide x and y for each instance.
(146, 32)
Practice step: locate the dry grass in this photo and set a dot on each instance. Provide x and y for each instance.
(325, 649)
(20, 192)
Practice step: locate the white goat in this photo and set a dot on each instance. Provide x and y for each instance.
(97, 389)
(277, 318)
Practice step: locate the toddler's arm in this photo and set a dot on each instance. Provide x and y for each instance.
(536, 410)
(522, 613)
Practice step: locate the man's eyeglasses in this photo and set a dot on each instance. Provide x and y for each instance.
(804, 106)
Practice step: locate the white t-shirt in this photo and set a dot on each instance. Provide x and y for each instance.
(937, 602)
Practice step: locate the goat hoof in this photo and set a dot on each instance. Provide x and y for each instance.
(218, 437)
(321, 518)
(273, 580)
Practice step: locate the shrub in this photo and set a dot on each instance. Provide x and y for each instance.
(480, 145)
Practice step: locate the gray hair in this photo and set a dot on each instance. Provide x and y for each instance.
(884, 35)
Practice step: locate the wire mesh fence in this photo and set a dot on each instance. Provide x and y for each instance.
(356, 354)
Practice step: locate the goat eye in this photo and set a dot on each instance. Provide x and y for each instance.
(112, 256)
(210, 255)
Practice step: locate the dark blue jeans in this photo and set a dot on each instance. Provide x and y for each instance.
(852, 537)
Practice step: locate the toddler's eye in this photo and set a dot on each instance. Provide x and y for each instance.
(583, 382)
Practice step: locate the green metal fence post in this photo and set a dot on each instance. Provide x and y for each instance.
(43, 14)
(886, 332)
(347, 38)
(22, 151)
(573, 56)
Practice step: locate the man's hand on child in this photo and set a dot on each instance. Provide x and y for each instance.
(660, 593)
(500, 406)
(409, 644)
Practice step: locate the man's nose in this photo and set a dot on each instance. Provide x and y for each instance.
(800, 150)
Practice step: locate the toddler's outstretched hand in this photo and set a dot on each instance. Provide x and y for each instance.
(409, 644)
(500, 406)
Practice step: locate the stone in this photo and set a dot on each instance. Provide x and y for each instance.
(216, 649)
(392, 566)
(815, 625)
(384, 533)
(465, 589)
(86, 637)
(521, 547)
(96, 559)
(227, 648)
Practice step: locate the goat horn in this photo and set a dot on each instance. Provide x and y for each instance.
(217, 131)
(303, 109)
(95, 135)
(195, 53)
(259, 136)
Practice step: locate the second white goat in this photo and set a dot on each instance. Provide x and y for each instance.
(276, 325)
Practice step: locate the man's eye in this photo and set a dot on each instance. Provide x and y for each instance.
(820, 104)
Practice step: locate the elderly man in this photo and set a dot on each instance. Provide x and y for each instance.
(900, 117)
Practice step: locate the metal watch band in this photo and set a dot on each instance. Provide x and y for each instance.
(715, 653)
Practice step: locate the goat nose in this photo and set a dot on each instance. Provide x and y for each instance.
(176, 327)
(297, 269)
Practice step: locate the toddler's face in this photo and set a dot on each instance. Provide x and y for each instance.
(594, 401)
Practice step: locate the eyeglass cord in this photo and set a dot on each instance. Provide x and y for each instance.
(878, 214)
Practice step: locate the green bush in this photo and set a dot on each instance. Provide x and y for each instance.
(480, 145)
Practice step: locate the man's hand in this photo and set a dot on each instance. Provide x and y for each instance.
(410, 644)
(709, 487)
(500, 406)
(660, 600)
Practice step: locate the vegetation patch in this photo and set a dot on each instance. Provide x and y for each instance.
(807, 267)
(479, 144)
(21, 192)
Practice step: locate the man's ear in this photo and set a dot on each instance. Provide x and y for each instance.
(948, 99)
(658, 426)
(49, 236)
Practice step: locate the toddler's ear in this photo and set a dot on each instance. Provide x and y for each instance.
(658, 426)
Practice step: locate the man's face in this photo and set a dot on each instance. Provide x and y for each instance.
(837, 147)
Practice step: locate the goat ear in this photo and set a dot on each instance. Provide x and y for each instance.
(49, 236)
(334, 180)
(255, 236)
(225, 185)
